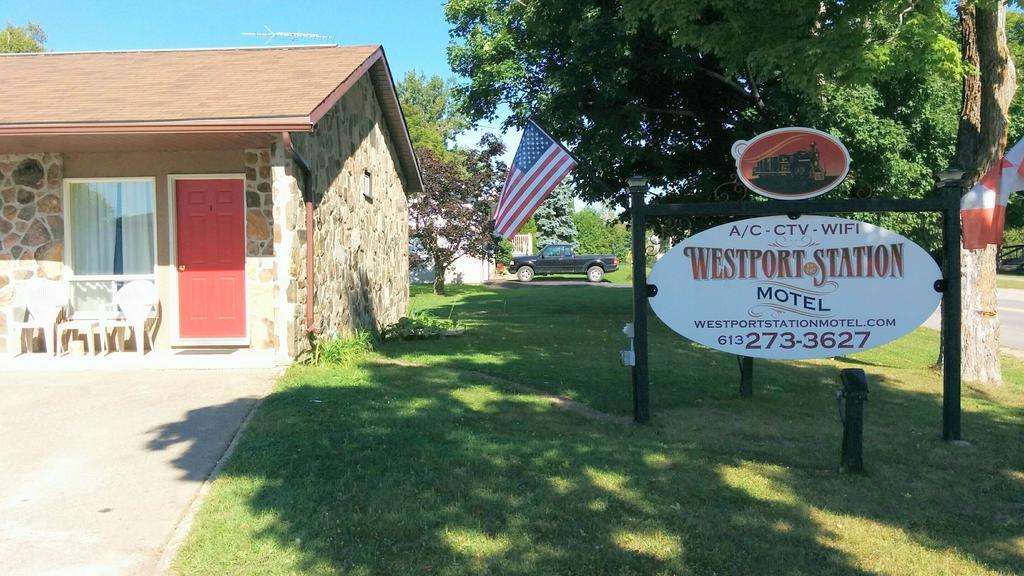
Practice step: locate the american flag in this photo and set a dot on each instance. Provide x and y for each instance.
(540, 164)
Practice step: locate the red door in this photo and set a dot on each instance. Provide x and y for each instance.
(211, 258)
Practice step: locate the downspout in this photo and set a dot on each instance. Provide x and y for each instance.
(307, 196)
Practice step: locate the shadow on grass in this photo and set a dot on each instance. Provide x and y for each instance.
(389, 469)
(421, 474)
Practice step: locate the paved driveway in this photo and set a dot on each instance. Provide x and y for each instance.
(1010, 304)
(558, 282)
(98, 468)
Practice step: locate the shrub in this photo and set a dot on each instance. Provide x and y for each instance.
(337, 350)
(596, 235)
(1012, 236)
(419, 326)
(502, 251)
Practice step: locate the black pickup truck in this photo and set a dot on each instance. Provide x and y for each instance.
(560, 259)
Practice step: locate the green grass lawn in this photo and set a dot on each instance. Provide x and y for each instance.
(433, 467)
(1010, 281)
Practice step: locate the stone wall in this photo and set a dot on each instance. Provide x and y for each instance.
(289, 233)
(361, 244)
(31, 224)
(260, 265)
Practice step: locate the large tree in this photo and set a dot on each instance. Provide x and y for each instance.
(989, 85)
(555, 224)
(430, 111)
(451, 217)
(27, 38)
(621, 95)
(662, 88)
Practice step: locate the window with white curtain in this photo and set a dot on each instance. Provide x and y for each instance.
(111, 239)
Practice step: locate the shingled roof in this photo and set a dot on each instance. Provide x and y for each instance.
(251, 90)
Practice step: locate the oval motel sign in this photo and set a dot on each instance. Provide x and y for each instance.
(791, 163)
(813, 287)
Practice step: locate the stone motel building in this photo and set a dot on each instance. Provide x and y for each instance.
(261, 190)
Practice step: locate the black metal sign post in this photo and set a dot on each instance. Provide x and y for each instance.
(641, 379)
(950, 315)
(746, 376)
(948, 206)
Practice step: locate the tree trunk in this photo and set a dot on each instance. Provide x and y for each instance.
(989, 84)
(979, 329)
(968, 133)
(440, 268)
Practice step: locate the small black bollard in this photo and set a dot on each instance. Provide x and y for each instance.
(851, 401)
(746, 376)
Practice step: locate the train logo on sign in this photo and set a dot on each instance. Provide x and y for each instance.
(791, 163)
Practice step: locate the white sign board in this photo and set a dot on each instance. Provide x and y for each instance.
(813, 287)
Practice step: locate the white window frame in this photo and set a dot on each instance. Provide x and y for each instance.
(69, 270)
(367, 184)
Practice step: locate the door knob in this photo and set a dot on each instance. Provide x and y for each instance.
(181, 268)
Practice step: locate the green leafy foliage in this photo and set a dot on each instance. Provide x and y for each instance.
(27, 38)
(343, 351)
(1013, 236)
(430, 112)
(803, 42)
(1014, 231)
(663, 88)
(555, 224)
(597, 234)
(420, 326)
(900, 132)
(530, 226)
(621, 95)
(502, 251)
(451, 218)
(1015, 39)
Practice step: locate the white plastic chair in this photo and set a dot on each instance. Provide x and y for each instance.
(137, 302)
(40, 304)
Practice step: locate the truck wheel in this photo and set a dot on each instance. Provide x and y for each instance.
(525, 274)
(595, 274)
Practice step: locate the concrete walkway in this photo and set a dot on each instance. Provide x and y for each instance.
(98, 468)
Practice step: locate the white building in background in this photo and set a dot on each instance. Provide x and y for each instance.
(465, 270)
(468, 269)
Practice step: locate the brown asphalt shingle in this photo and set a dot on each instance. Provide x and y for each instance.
(172, 85)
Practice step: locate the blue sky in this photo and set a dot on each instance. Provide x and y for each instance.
(414, 33)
